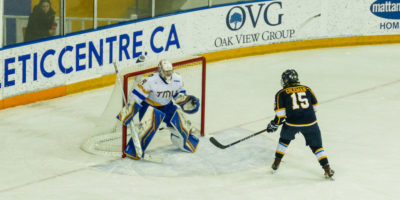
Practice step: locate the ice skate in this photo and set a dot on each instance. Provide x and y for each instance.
(328, 172)
(275, 165)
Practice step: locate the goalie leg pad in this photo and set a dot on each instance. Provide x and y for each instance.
(179, 141)
(128, 112)
(169, 111)
(148, 126)
(130, 150)
(181, 135)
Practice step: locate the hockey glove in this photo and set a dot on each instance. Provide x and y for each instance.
(272, 127)
(190, 104)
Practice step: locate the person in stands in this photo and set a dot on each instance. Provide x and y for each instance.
(41, 22)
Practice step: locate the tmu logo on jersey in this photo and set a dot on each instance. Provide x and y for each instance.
(166, 94)
(239, 15)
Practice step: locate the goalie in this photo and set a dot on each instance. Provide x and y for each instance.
(151, 102)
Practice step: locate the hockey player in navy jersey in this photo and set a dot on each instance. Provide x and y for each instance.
(154, 100)
(295, 107)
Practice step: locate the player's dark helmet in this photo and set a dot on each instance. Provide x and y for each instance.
(289, 78)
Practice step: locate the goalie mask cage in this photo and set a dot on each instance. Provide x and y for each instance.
(111, 136)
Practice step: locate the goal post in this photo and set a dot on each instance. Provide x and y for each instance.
(112, 140)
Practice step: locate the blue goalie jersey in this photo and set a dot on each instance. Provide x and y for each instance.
(296, 105)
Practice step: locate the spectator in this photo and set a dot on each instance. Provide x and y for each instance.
(41, 22)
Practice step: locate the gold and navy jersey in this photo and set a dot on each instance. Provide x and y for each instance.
(297, 105)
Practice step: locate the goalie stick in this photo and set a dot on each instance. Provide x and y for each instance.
(221, 146)
(135, 137)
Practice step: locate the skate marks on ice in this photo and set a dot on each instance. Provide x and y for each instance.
(207, 160)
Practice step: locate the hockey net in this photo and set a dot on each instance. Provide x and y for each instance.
(110, 136)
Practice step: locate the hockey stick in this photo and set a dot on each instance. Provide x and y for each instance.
(135, 136)
(221, 146)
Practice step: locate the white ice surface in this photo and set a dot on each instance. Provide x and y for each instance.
(359, 93)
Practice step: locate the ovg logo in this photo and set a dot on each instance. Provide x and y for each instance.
(236, 17)
(386, 9)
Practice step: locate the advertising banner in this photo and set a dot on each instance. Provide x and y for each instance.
(82, 56)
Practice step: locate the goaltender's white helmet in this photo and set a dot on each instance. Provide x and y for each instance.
(166, 70)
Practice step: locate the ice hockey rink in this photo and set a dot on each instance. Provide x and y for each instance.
(358, 89)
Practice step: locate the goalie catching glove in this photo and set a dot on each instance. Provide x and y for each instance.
(272, 127)
(189, 104)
